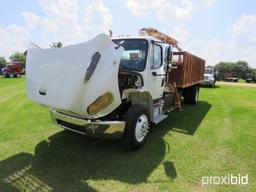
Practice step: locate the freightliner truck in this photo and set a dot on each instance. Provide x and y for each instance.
(114, 87)
(209, 76)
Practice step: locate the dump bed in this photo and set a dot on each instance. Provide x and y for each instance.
(189, 69)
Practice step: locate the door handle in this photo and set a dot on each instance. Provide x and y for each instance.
(155, 74)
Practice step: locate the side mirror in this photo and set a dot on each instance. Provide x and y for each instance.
(119, 44)
(169, 54)
(167, 67)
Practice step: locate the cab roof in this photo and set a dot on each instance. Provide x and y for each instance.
(146, 37)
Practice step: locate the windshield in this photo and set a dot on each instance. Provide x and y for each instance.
(135, 54)
(208, 71)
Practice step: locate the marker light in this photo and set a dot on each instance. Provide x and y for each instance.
(100, 103)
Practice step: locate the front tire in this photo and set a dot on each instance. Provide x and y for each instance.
(137, 124)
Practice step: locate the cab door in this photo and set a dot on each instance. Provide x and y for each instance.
(156, 73)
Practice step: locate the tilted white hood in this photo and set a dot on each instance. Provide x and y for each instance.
(55, 77)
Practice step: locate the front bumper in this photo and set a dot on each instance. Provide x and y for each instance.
(102, 129)
(207, 82)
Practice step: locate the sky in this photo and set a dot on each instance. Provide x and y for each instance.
(216, 30)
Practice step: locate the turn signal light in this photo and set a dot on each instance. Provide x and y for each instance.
(100, 103)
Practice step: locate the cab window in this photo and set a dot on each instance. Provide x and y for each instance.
(135, 54)
(156, 56)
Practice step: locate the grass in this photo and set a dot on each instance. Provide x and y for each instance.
(241, 81)
(214, 138)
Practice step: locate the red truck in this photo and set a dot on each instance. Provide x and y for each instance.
(14, 69)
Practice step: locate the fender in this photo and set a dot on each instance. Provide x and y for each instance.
(143, 98)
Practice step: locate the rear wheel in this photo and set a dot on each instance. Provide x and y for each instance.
(191, 95)
(137, 124)
(212, 85)
(11, 75)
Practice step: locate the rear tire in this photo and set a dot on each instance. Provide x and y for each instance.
(191, 95)
(137, 125)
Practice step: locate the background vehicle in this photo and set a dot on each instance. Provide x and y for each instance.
(209, 77)
(117, 88)
(250, 78)
(12, 70)
(230, 78)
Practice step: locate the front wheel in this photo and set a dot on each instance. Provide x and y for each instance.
(137, 124)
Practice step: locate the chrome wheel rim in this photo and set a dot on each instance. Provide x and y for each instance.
(141, 128)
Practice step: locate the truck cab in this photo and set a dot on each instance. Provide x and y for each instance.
(125, 88)
(142, 78)
(250, 77)
(12, 70)
(145, 59)
(209, 77)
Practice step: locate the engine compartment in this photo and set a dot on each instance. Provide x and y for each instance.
(129, 80)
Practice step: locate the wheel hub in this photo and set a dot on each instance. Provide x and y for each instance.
(142, 127)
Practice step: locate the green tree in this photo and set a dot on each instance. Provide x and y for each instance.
(224, 68)
(254, 71)
(56, 45)
(241, 68)
(18, 56)
(237, 69)
(2, 62)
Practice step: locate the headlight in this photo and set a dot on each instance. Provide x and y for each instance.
(100, 103)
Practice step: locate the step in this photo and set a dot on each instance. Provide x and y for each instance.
(158, 118)
(169, 109)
